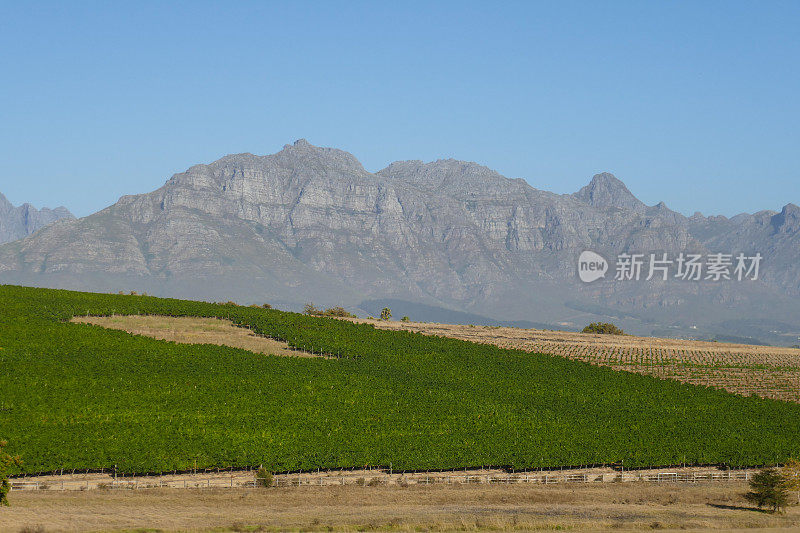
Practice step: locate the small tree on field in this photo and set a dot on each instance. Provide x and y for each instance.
(338, 311)
(791, 473)
(405, 319)
(7, 462)
(263, 477)
(386, 313)
(768, 489)
(603, 328)
(311, 309)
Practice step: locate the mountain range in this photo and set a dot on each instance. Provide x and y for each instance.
(310, 224)
(19, 222)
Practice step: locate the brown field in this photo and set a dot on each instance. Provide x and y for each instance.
(626, 506)
(767, 371)
(193, 330)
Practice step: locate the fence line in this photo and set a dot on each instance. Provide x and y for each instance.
(382, 478)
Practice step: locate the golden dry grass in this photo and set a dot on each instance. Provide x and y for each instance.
(634, 506)
(767, 371)
(193, 330)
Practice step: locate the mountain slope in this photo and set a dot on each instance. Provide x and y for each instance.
(311, 224)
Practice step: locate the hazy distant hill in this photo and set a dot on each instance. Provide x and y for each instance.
(311, 224)
(19, 222)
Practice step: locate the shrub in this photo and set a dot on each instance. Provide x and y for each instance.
(386, 313)
(405, 319)
(311, 309)
(768, 489)
(338, 311)
(605, 328)
(791, 473)
(7, 462)
(263, 478)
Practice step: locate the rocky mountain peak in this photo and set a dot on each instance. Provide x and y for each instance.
(605, 190)
(457, 177)
(788, 220)
(302, 152)
(19, 222)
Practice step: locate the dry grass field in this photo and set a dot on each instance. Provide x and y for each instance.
(770, 372)
(627, 506)
(193, 330)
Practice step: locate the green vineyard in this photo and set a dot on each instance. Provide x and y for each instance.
(77, 396)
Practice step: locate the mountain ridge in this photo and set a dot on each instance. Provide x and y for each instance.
(311, 224)
(19, 222)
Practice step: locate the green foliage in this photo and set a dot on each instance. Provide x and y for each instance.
(338, 312)
(768, 489)
(311, 310)
(791, 474)
(7, 462)
(405, 319)
(263, 477)
(386, 313)
(78, 396)
(605, 328)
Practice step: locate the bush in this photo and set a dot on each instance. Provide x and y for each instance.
(768, 488)
(7, 462)
(405, 319)
(338, 312)
(791, 473)
(605, 328)
(386, 313)
(263, 478)
(311, 309)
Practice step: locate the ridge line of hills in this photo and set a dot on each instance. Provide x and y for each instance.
(311, 224)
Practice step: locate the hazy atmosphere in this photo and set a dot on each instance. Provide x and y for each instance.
(399, 266)
(692, 103)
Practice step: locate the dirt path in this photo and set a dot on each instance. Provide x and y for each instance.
(420, 508)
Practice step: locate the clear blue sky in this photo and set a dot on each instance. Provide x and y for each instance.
(694, 103)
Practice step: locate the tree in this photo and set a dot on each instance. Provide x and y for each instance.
(405, 319)
(263, 477)
(311, 309)
(338, 311)
(603, 328)
(768, 489)
(6, 463)
(386, 313)
(791, 473)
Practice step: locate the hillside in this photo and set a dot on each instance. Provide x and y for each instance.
(77, 396)
(311, 224)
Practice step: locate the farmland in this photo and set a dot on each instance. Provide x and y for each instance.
(79, 396)
(765, 371)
